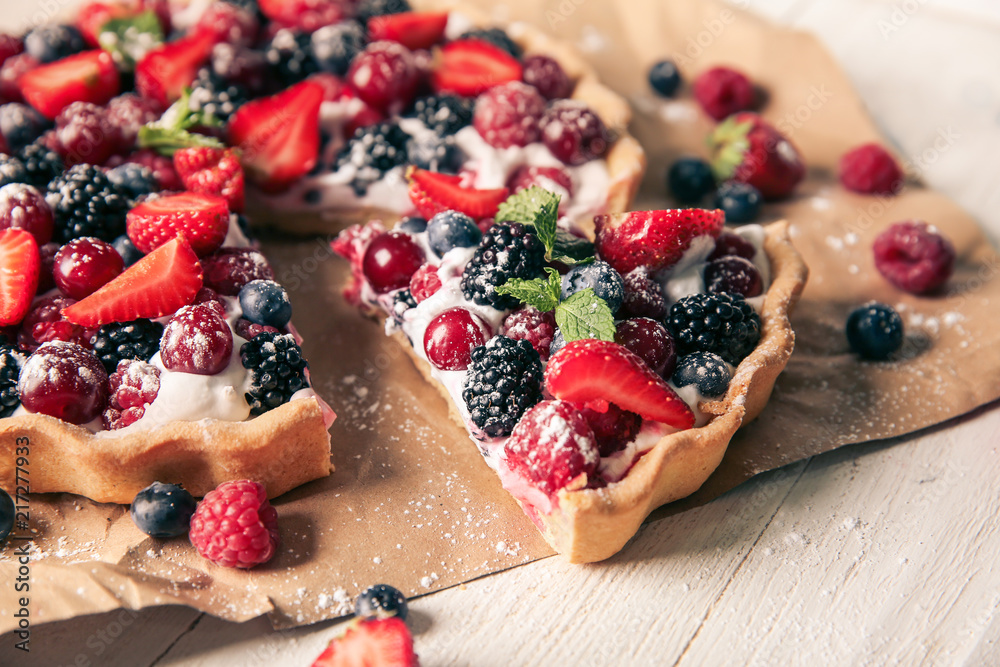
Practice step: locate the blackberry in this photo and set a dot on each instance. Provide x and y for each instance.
(402, 301)
(498, 38)
(41, 163)
(9, 369)
(277, 370)
(374, 150)
(370, 8)
(434, 153)
(133, 179)
(508, 250)
(445, 114)
(504, 381)
(12, 170)
(20, 124)
(53, 41)
(290, 57)
(138, 339)
(215, 97)
(334, 46)
(724, 324)
(708, 372)
(86, 203)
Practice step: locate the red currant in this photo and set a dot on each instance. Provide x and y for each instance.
(197, 340)
(64, 380)
(24, 207)
(385, 76)
(650, 340)
(390, 261)
(451, 336)
(84, 265)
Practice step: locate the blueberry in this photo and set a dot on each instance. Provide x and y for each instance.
(605, 281)
(123, 244)
(21, 125)
(434, 153)
(266, 302)
(874, 331)
(134, 180)
(707, 371)
(53, 41)
(162, 510)
(664, 78)
(334, 46)
(690, 179)
(739, 201)
(558, 343)
(381, 600)
(413, 225)
(6, 515)
(451, 229)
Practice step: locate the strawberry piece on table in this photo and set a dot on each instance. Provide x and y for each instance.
(19, 267)
(213, 171)
(90, 76)
(164, 73)
(414, 30)
(748, 149)
(652, 239)
(384, 642)
(278, 136)
(202, 219)
(595, 370)
(432, 193)
(163, 281)
(471, 66)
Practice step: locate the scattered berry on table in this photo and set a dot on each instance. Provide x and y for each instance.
(425, 283)
(290, 56)
(598, 276)
(613, 428)
(374, 150)
(748, 149)
(451, 336)
(369, 8)
(509, 115)
(870, 169)
(277, 370)
(724, 324)
(381, 601)
(162, 510)
(708, 372)
(266, 302)
(729, 243)
(723, 91)
(503, 382)
(390, 261)
(874, 331)
(84, 265)
(334, 46)
(201, 218)
(497, 37)
(214, 97)
(740, 202)
(12, 170)
(733, 275)
(385, 76)
(552, 446)
(10, 368)
(451, 229)
(65, 381)
(375, 641)
(45, 322)
(250, 541)
(530, 324)
(196, 340)
(24, 207)
(132, 386)
(665, 78)
(134, 180)
(690, 179)
(508, 250)
(86, 203)
(650, 341)
(652, 239)
(119, 341)
(6, 515)
(445, 114)
(20, 125)
(53, 41)
(643, 296)
(20, 269)
(574, 133)
(914, 256)
(41, 163)
(547, 76)
(227, 270)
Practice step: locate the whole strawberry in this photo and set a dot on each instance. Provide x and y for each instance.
(235, 525)
(212, 171)
(748, 149)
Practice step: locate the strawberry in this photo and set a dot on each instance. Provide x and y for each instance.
(19, 267)
(92, 16)
(213, 171)
(302, 15)
(90, 76)
(200, 218)
(652, 239)
(160, 283)
(414, 30)
(433, 193)
(164, 73)
(375, 642)
(748, 149)
(279, 135)
(471, 66)
(598, 370)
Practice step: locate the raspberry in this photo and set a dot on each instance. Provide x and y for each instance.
(870, 169)
(643, 296)
(504, 380)
(86, 134)
(45, 322)
(235, 525)
(508, 115)
(384, 75)
(128, 113)
(574, 133)
(425, 282)
(24, 207)
(552, 446)
(722, 91)
(196, 340)
(530, 324)
(724, 324)
(548, 76)
(227, 270)
(133, 386)
(613, 427)
(914, 256)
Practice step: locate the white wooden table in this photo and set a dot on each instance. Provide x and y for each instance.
(874, 554)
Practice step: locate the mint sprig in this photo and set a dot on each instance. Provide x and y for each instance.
(540, 293)
(129, 39)
(540, 208)
(170, 133)
(585, 315)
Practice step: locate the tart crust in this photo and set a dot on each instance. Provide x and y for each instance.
(626, 159)
(590, 525)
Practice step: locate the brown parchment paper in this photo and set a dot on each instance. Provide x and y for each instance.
(412, 504)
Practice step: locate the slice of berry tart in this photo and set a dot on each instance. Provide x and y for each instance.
(599, 379)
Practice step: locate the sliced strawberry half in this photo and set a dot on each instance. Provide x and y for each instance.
(90, 76)
(158, 284)
(471, 66)
(200, 218)
(278, 136)
(92, 16)
(164, 73)
(414, 30)
(432, 193)
(19, 267)
(653, 239)
(596, 370)
(213, 171)
(375, 642)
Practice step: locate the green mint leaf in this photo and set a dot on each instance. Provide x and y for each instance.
(534, 206)
(571, 250)
(129, 39)
(540, 293)
(170, 133)
(585, 315)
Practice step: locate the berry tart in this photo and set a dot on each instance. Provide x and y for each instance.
(599, 380)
